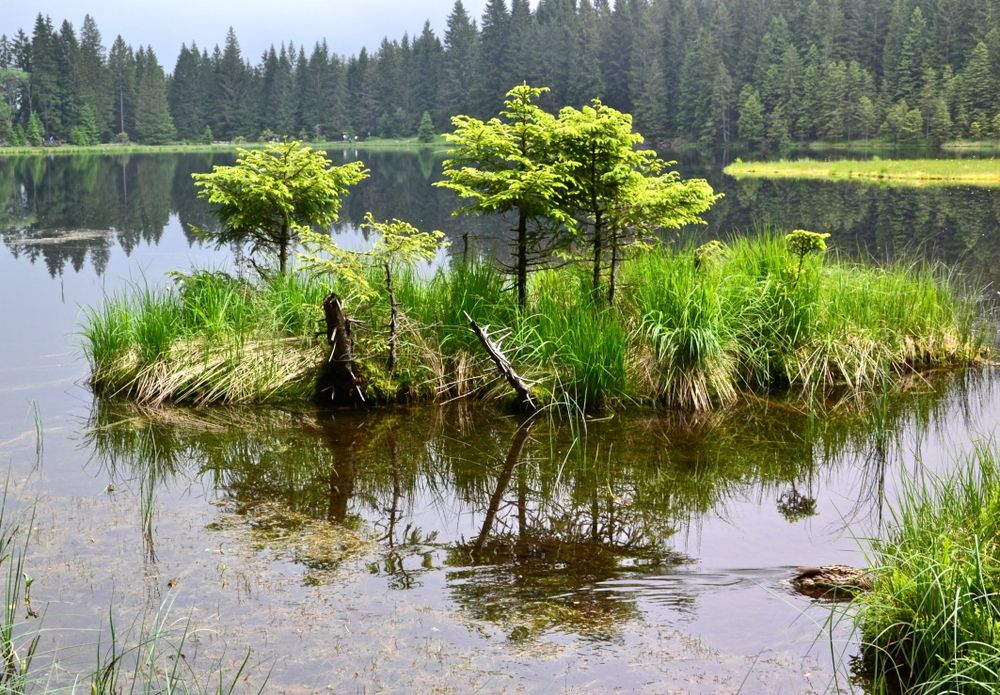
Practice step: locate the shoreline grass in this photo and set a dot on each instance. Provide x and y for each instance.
(376, 144)
(897, 172)
(683, 335)
(931, 623)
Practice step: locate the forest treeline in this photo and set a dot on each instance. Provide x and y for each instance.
(763, 72)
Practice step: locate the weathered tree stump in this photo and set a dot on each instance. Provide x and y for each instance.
(338, 383)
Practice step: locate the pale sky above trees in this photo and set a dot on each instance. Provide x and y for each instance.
(347, 25)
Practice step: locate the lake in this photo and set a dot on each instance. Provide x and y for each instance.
(448, 548)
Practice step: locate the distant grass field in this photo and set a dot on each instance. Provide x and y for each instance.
(973, 145)
(902, 172)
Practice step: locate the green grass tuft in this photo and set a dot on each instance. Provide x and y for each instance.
(931, 624)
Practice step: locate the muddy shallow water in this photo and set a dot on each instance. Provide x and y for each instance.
(434, 549)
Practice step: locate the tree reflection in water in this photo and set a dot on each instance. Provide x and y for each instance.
(70, 210)
(531, 524)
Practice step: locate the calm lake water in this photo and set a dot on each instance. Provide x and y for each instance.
(448, 549)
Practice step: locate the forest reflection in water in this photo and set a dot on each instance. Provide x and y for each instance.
(64, 210)
(531, 522)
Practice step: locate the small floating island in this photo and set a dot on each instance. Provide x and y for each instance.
(684, 333)
(593, 311)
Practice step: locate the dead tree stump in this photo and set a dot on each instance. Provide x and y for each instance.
(338, 383)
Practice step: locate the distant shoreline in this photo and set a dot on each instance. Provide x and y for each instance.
(404, 144)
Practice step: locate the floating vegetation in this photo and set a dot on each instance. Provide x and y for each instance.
(895, 172)
(322, 547)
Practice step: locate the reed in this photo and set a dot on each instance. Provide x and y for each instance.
(930, 624)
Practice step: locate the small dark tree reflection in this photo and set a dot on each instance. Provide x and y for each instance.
(401, 545)
(795, 506)
(546, 545)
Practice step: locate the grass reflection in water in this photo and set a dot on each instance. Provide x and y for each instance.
(530, 522)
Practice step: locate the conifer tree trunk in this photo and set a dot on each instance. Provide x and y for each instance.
(613, 241)
(598, 251)
(283, 249)
(393, 314)
(522, 259)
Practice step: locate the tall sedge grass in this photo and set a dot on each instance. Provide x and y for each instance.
(684, 333)
(208, 338)
(686, 326)
(931, 624)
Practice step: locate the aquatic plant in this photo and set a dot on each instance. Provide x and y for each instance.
(147, 658)
(930, 623)
(17, 646)
(208, 338)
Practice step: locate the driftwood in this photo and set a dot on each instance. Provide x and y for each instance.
(503, 365)
(338, 379)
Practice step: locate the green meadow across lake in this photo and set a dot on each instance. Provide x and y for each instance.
(894, 172)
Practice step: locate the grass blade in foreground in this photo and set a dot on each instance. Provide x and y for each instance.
(931, 624)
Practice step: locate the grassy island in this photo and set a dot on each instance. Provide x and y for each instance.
(693, 328)
(899, 172)
(596, 311)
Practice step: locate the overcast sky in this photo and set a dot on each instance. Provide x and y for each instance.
(347, 25)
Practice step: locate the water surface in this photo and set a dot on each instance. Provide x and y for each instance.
(448, 548)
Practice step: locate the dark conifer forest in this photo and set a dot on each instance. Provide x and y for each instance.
(758, 72)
